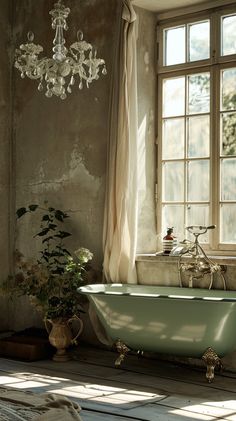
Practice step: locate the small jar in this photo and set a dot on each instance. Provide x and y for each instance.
(169, 241)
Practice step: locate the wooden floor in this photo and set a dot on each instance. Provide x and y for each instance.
(142, 389)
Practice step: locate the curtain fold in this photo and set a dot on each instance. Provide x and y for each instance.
(121, 202)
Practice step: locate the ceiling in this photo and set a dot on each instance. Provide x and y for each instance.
(164, 5)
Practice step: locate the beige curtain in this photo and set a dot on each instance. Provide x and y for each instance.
(121, 204)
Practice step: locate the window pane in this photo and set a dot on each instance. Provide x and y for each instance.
(198, 215)
(173, 96)
(199, 93)
(173, 138)
(173, 181)
(198, 181)
(228, 179)
(228, 134)
(227, 223)
(199, 41)
(228, 35)
(173, 216)
(228, 89)
(198, 136)
(174, 45)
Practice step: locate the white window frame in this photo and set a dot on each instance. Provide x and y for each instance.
(214, 64)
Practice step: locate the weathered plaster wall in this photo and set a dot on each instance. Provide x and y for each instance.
(163, 271)
(5, 151)
(61, 145)
(146, 59)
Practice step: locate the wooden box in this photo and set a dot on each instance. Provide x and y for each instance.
(26, 348)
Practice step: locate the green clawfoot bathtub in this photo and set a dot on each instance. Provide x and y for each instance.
(170, 320)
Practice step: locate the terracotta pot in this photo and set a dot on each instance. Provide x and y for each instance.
(60, 335)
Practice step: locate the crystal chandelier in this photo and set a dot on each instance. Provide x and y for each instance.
(52, 72)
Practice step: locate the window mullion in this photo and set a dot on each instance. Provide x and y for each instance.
(214, 154)
(185, 152)
(215, 38)
(159, 160)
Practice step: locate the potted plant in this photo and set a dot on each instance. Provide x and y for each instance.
(52, 280)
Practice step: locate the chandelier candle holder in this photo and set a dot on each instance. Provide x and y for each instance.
(57, 74)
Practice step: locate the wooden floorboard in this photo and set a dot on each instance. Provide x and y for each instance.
(142, 389)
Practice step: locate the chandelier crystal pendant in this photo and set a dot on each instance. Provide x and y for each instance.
(52, 73)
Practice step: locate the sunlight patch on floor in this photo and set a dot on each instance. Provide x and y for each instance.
(223, 404)
(107, 394)
(206, 410)
(26, 381)
(87, 391)
(195, 416)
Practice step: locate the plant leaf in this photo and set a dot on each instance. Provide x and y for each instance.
(42, 233)
(52, 226)
(60, 216)
(32, 208)
(62, 234)
(47, 239)
(66, 251)
(20, 212)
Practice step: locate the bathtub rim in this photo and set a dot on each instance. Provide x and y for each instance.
(158, 292)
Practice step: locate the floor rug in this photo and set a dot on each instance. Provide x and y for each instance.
(18, 405)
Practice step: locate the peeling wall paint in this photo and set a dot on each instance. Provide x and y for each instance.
(76, 170)
(60, 146)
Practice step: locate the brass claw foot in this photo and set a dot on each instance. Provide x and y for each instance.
(140, 353)
(123, 350)
(212, 360)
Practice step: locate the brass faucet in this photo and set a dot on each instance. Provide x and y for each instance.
(200, 264)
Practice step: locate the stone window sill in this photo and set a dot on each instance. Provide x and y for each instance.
(161, 258)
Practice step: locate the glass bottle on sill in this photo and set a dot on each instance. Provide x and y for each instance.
(169, 241)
